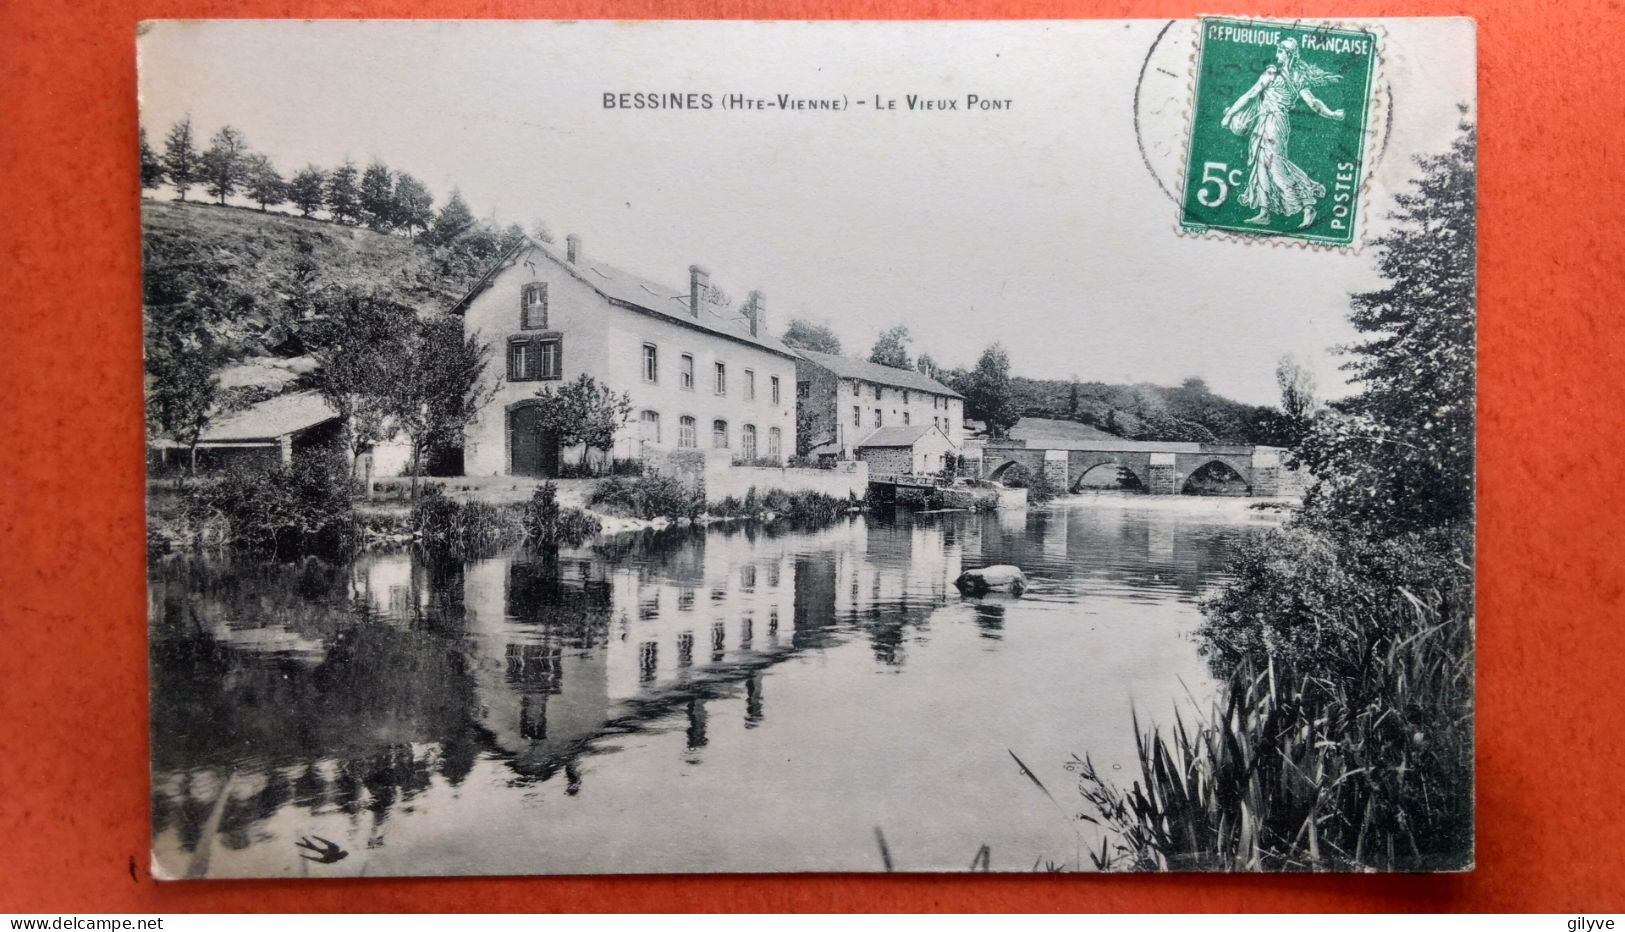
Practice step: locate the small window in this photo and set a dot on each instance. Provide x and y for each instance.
(877, 417)
(719, 434)
(905, 396)
(722, 379)
(803, 389)
(775, 442)
(521, 362)
(649, 422)
(857, 416)
(550, 359)
(877, 392)
(686, 432)
(651, 363)
(905, 417)
(747, 442)
(773, 388)
(533, 306)
(686, 376)
(855, 388)
(750, 384)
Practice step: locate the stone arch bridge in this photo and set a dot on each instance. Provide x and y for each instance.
(1162, 468)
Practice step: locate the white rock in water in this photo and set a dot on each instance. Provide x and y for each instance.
(988, 578)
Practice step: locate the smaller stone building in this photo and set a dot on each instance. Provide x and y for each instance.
(907, 450)
(842, 400)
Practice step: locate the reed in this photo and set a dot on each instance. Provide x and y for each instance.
(1295, 768)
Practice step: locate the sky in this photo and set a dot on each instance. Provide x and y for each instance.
(1041, 226)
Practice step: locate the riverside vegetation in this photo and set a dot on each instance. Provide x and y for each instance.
(1344, 737)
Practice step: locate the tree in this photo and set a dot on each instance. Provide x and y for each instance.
(819, 338)
(225, 165)
(181, 388)
(358, 340)
(987, 391)
(440, 387)
(414, 205)
(264, 186)
(583, 412)
(1399, 455)
(540, 231)
(453, 220)
(1297, 389)
(510, 237)
(181, 157)
(342, 199)
(152, 168)
(377, 197)
(891, 348)
(308, 190)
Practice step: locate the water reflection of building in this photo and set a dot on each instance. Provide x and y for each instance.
(353, 688)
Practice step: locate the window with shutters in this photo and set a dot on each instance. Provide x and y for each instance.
(530, 359)
(533, 306)
(747, 442)
(775, 442)
(686, 432)
(685, 374)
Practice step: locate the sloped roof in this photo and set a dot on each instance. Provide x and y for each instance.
(901, 435)
(848, 368)
(271, 419)
(638, 293)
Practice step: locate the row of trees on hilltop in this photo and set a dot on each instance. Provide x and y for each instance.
(377, 197)
(1188, 412)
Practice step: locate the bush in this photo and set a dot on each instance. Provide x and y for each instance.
(1344, 740)
(463, 527)
(548, 524)
(647, 497)
(308, 506)
(1038, 485)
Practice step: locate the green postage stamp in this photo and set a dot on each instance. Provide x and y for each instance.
(1278, 130)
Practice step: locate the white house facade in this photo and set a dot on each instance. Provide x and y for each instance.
(699, 376)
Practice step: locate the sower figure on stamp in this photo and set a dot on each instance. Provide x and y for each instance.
(1275, 185)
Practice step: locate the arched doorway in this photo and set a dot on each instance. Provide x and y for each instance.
(530, 453)
(1216, 477)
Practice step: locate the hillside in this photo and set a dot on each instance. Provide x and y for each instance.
(1188, 412)
(250, 278)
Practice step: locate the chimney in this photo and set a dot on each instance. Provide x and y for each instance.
(572, 248)
(756, 313)
(698, 280)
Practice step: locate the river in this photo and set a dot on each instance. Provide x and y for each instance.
(740, 698)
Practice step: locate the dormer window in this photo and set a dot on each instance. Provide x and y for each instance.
(533, 306)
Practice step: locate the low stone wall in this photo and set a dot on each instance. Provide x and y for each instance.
(844, 481)
(714, 469)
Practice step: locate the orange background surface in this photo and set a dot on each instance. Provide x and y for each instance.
(1551, 720)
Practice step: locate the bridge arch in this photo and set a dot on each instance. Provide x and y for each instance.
(1091, 465)
(1214, 470)
(1003, 469)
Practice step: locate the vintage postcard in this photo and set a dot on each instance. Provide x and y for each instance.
(889, 446)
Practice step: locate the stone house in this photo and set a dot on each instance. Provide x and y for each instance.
(911, 450)
(699, 376)
(844, 400)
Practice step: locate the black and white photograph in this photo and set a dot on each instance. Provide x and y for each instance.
(759, 447)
